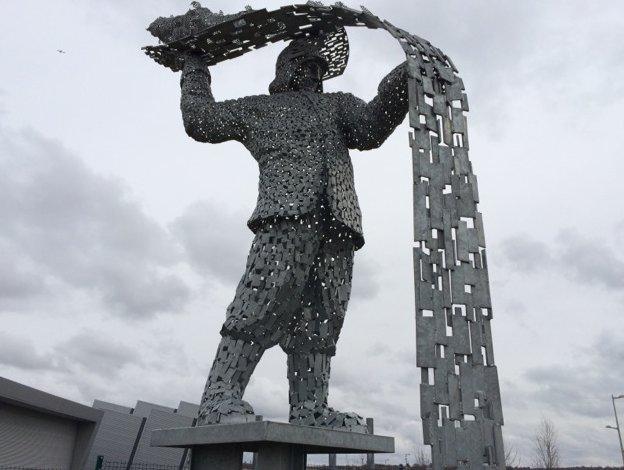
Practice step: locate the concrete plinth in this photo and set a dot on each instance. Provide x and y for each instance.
(214, 458)
(280, 446)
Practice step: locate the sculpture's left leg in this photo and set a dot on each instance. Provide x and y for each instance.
(267, 297)
(312, 337)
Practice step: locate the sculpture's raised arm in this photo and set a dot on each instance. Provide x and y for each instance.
(368, 125)
(205, 119)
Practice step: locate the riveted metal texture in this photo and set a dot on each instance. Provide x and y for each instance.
(294, 291)
(460, 402)
(219, 37)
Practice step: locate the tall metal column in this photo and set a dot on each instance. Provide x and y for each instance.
(459, 393)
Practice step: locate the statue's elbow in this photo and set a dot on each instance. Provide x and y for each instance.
(363, 145)
(194, 129)
(378, 133)
(369, 142)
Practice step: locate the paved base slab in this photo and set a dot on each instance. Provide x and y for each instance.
(280, 446)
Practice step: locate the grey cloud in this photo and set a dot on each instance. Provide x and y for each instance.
(500, 48)
(95, 354)
(215, 240)
(392, 355)
(88, 350)
(519, 47)
(378, 348)
(169, 355)
(18, 275)
(2, 107)
(22, 354)
(62, 221)
(513, 396)
(581, 389)
(269, 397)
(591, 261)
(575, 396)
(610, 349)
(141, 297)
(525, 253)
(565, 390)
(579, 445)
(575, 256)
(115, 368)
(512, 308)
(365, 278)
(516, 306)
(371, 391)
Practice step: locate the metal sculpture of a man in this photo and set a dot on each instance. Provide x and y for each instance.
(307, 223)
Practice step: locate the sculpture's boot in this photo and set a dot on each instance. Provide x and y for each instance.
(308, 380)
(222, 400)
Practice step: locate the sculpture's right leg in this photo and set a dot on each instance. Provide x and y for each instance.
(267, 297)
(311, 342)
(222, 400)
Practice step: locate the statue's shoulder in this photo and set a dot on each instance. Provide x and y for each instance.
(254, 99)
(338, 95)
(343, 99)
(250, 103)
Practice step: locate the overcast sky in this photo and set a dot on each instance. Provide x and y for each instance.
(121, 239)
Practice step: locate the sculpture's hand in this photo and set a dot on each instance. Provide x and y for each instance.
(173, 59)
(192, 62)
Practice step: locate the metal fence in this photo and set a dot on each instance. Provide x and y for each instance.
(112, 465)
(365, 467)
(14, 467)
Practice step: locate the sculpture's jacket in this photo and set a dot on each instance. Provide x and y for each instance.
(299, 139)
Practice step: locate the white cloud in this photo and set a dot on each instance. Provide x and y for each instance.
(21, 353)
(64, 223)
(580, 258)
(93, 352)
(215, 241)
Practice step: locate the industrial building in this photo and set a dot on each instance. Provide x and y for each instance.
(40, 430)
(124, 434)
(43, 431)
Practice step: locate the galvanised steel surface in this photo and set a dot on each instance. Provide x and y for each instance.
(297, 283)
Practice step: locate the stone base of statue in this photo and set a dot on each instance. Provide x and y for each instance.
(279, 446)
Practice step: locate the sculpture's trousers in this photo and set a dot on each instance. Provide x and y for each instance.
(296, 285)
(294, 293)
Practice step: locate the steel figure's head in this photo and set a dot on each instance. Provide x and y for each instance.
(300, 67)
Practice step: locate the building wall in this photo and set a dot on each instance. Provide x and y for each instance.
(158, 419)
(144, 408)
(188, 409)
(115, 438)
(120, 430)
(30, 438)
(104, 405)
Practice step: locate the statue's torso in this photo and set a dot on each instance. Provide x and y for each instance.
(295, 125)
(299, 142)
